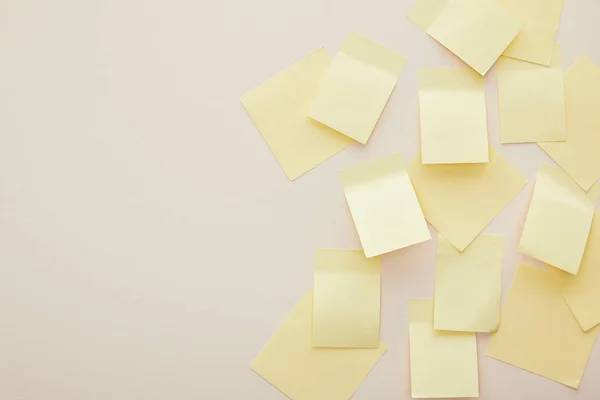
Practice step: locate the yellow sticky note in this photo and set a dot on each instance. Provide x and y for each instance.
(477, 31)
(578, 156)
(453, 116)
(460, 200)
(531, 101)
(468, 285)
(357, 87)
(346, 299)
(559, 220)
(278, 108)
(302, 372)
(442, 364)
(538, 332)
(540, 19)
(384, 206)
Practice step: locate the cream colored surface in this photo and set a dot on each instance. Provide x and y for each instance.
(347, 298)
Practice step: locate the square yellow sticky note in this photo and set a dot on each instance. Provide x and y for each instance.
(346, 300)
(538, 332)
(442, 364)
(278, 108)
(468, 285)
(578, 156)
(302, 372)
(384, 206)
(540, 19)
(453, 116)
(477, 31)
(559, 220)
(357, 87)
(460, 200)
(531, 101)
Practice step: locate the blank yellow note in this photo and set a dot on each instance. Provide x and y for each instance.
(468, 285)
(384, 206)
(540, 19)
(278, 108)
(302, 372)
(538, 332)
(532, 101)
(578, 156)
(346, 300)
(442, 364)
(453, 116)
(357, 87)
(461, 200)
(559, 220)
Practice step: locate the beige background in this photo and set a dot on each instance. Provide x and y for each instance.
(150, 243)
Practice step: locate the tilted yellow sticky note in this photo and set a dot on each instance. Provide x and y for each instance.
(278, 108)
(453, 116)
(531, 100)
(384, 206)
(302, 372)
(578, 156)
(468, 285)
(460, 200)
(559, 220)
(442, 364)
(540, 19)
(538, 332)
(347, 297)
(357, 87)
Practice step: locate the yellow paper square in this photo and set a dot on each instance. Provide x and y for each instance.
(468, 285)
(346, 299)
(278, 108)
(538, 332)
(442, 364)
(531, 101)
(477, 31)
(578, 156)
(559, 220)
(453, 116)
(302, 372)
(384, 206)
(460, 200)
(357, 87)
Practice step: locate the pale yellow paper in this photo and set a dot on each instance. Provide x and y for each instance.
(384, 206)
(302, 372)
(278, 108)
(578, 156)
(346, 300)
(540, 19)
(477, 31)
(357, 87)
(531, 100)
(461, 200)
(538, 332)
(559, 220)
(453, 116)
(468, 285)
(442, 364)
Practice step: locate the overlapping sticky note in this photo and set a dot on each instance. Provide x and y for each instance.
(278, 108)
(301, 372)
(531, 100)
(460, 200)
(384, 206)
(442, 364)
(357, 87)
(346, 299)
(538, 332)
(452, 116)
(468, 285)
